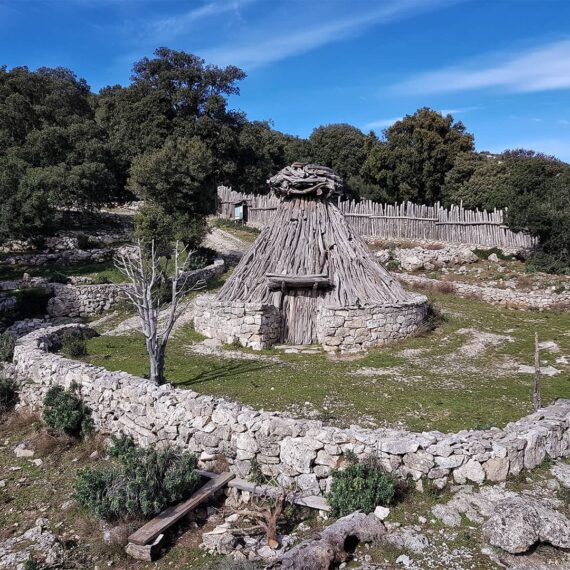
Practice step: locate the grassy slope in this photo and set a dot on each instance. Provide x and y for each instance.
(439, 387)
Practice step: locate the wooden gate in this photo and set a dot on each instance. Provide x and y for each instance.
(299, 316)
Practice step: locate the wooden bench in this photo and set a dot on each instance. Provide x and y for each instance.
(143, 541)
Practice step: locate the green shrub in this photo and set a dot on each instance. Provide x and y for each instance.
(101, 280)
(202, 257)
(85, 242)
(392, 264)
(65, 411)
(8, 395)
(485, 253)
(360, 486)
(58, 277)
(7, 344)
(73, 343)
(141, 483)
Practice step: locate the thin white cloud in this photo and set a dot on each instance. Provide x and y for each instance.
(298, 36)
(543, 68)
(173, 26)
(564, 122)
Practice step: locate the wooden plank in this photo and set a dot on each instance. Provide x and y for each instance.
(168, 517)
(312, 501)
(277, 281)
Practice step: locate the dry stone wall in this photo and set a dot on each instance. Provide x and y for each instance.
(543, 299)
(354, 329)
(253, 325)
(60, 258)
(88, 300)
(298, 452)
(346, 329)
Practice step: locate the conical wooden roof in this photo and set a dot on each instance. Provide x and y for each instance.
(310, 240)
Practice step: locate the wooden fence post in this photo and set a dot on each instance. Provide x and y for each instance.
(536, 400)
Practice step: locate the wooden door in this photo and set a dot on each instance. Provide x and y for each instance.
(299, 316)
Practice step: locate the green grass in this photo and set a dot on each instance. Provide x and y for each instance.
(436, 388)
(241, 231)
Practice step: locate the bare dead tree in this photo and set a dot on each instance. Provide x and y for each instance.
(267, 511)
(146, 272)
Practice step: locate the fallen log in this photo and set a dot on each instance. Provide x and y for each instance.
(333, 545)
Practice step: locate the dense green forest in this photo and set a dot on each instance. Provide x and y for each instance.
(169, 137)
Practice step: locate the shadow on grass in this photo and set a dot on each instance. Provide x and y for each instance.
(226, 371)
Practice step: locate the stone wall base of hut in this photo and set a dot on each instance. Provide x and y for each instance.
(356, 329)
(344, 329)
(253, 325)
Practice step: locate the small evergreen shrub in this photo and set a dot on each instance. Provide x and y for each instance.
(8, 395)
(58, 277)
(202, 257)
(85, 242)
(65, 411)
(73, 343)
(142, 482)
(360, 486)
(7, 344)
(101, 280)
(485, 253)
(392, 264)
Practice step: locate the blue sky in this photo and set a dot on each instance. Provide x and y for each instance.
(500, 66)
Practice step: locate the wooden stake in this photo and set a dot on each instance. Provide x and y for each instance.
(536, 400)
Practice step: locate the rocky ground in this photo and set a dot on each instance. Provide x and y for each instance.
(521, 524)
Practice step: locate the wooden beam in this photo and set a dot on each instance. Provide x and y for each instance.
(312, 502)
(168, 517)
(276, 281)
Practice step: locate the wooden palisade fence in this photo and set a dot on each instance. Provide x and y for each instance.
(396, 221)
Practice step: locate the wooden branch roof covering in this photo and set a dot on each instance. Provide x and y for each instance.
(310, 237)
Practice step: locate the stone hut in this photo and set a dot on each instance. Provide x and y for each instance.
(309, 278)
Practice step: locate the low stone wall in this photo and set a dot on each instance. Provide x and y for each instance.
(346, 329)
(354, 329)
(88, 300)
(504, 297)
(253, 325)
(61, 258)
(298, 452)
(83, 300)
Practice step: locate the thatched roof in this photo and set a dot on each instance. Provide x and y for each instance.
(310, 244)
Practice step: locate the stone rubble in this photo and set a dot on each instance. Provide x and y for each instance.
(540, 299)
(416, 258)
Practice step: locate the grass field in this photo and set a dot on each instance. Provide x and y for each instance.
(462, 375)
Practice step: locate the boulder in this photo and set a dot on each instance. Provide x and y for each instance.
(519, 523)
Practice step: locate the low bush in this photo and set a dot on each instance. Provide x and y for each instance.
(392, 264)
(140, 483)
(7, 344)
(59, 278)
(85, 242)
(485, 253)
(202, 257)
(101, 280)
(8, 395)
(73, 343)
(65, 412)
(360, 486)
